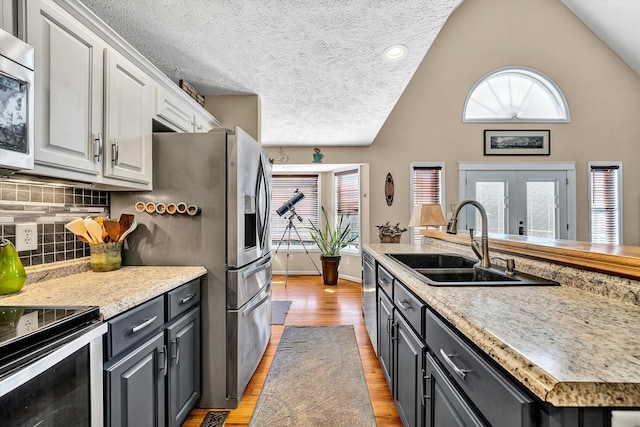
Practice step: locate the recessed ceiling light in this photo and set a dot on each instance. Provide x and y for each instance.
(395, 52)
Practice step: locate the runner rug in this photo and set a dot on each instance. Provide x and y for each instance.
(279, 310)
(316, 379)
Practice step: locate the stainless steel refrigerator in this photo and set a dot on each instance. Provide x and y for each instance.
(227, 176)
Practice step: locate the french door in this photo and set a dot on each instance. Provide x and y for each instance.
(525, 202)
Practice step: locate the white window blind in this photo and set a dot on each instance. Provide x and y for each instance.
(605, 204)
(283, 188)
(426, 185)
(348, 201)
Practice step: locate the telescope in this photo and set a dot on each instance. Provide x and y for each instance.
(289, 204)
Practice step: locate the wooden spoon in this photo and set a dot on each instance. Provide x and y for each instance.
(113, 229)
(134, 224)
(94, 229)
(125, 223)
(78, 228)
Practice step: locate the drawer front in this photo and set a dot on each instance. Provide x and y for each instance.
(183, 298)
(411, 307)
(499, 401)
(385, 281)
(128, 328)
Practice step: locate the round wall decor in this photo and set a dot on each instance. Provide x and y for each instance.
(388, 189)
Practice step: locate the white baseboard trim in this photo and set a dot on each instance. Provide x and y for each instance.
(315, 273)
(297, 273)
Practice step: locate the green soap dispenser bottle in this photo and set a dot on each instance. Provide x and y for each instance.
(12, 274)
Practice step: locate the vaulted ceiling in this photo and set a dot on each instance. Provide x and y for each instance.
(317, 65)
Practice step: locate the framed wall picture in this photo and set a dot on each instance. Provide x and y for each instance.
(517, 142)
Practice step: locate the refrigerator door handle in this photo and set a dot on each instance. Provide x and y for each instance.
(264, 297)
(255, 270)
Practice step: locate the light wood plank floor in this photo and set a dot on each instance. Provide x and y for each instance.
(315, 304)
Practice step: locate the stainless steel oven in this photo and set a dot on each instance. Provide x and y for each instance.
(16, 104)
(51, 366)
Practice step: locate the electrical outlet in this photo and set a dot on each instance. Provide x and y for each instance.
(348, 260)
(26, 237)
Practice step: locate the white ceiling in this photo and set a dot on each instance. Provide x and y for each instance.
(317, 65)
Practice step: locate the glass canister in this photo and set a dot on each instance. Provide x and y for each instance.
(106, 256)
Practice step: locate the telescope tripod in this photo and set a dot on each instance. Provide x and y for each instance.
(287, 231)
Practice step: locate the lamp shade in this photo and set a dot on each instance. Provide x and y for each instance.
(425, 215)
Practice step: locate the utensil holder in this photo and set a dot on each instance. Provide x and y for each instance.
(106, 256)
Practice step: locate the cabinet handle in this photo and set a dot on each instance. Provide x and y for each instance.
(114, 152)
(187, 298)
(447, 358)
(388, 325)
(166, 360)
(426, 387)
(97, 148)
(394, 328)
(405, 304)
(177, 350)
(143, 325)
(423, 396)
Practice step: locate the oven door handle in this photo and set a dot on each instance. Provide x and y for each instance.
(266, 295)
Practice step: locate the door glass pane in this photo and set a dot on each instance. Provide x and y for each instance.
(493, 196)
(541, 209)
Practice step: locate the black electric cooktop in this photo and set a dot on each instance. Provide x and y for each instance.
(25, 330)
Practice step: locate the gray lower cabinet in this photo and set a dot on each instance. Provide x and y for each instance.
(385, 324)
(409, 373)
(401, 353)
(153, 361)
(135, 384)
(183, 337)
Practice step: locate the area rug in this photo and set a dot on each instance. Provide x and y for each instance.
(316, 379)
(214, 419)
(279, 310)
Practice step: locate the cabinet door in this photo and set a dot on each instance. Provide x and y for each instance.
(445, 405)
(183, 339)
(385, 329)
(135, 386)
(68, 85)
(408, 373)
(128, 120)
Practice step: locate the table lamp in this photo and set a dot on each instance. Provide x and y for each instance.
(426, 215)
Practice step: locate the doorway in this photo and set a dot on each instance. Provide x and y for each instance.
(535, 200)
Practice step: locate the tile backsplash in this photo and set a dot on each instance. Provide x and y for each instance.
(50, 205)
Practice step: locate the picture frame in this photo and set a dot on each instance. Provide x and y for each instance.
(500, 142)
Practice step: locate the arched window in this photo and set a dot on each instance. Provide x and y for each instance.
(515, 94)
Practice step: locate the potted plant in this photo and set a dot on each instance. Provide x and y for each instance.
(388, 233)
(330, 242)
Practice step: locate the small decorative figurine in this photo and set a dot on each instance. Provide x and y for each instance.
(317, 155)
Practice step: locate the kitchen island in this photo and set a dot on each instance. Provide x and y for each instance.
(567, 346)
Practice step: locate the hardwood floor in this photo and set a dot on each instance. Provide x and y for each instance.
(315, 304)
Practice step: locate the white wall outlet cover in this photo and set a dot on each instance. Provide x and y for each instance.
(26, 237)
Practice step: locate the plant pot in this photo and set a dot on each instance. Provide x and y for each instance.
(330, 269)
(388, 238)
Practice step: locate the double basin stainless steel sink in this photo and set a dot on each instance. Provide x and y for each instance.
(437, 269)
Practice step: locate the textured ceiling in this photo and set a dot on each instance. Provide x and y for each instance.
(316, 64)
(616, 22)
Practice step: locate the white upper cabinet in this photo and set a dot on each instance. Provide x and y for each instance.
(129, 97)
(69, 94)
(172, 111)
(96, 98)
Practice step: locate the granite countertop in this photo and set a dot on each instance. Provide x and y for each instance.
(114, 291)
(568, 346)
